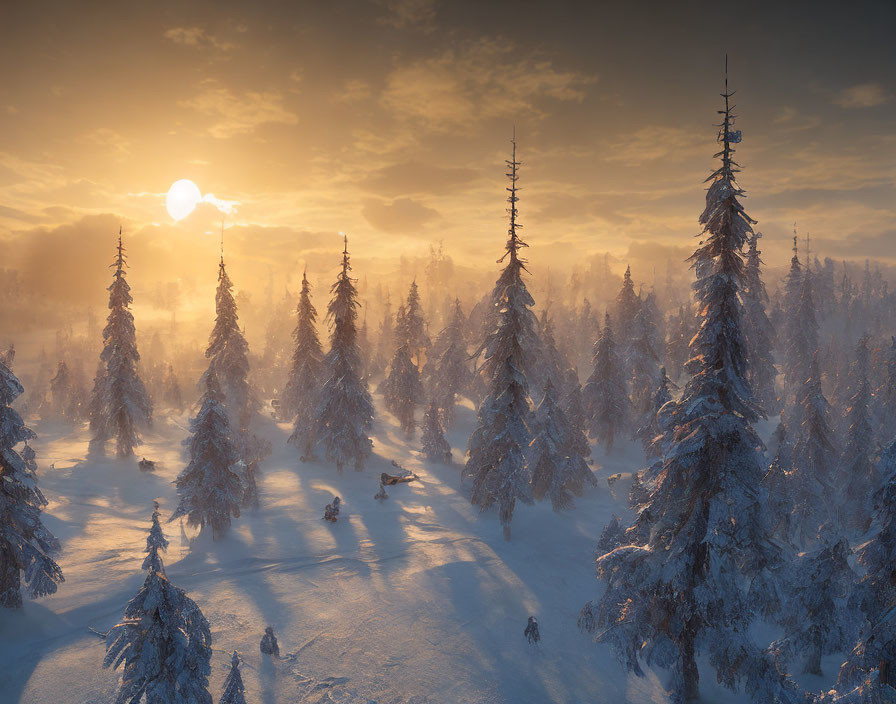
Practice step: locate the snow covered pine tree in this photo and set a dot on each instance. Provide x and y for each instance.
(25, 544)
(497, 461)
(402, 389)
(558, 455)
(681, 588)
(345, 412)
(435, 445)
(120, 403)
(163, 640)
(228, 355)
(210, 486)
(607, 406)
(234, 689)
(303, 387)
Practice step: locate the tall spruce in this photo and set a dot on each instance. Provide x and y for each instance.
(605, 396)
(558, 455)
(163, 641)
(811, 476)
(790, 329)
(228, 355)
(451, 374)
(120, 404)
(435, 446)
(403, 389)
(211, 486)
(497, 461)
(702, 536)
(303, 387)
(411, 327)
(758, 331)
(344, 412)
(856, 472)
(26, 546)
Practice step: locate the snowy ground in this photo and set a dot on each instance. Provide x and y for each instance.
(415, 600)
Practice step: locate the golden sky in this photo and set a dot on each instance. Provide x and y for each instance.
(390, 120)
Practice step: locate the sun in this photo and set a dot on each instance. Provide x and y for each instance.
(182, 198)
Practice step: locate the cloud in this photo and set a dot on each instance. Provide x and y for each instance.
(401, 215)
(109, 138)
(414, 177)
(456, 90)
(354, 91)
(404, 14)
(238, 114)
(864, 95)
(196, 37)
(654, 142)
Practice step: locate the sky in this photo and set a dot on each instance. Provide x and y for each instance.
(389, 120)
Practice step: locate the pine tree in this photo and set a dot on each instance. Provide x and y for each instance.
(163, 640)
(703, 534)
(650, 433)
(803, 336)
(758, 331)
(210, 486)
(119, 403)
(344, 412)
(815, 621)
(558, 455)
(303, 387)
(573, 404)
(778, 484)
(234, 689)
(885, 398)
(551, 363)
(607, 406)
(789, 326)
(451, 375)
(435, 445)
(677, 345)
(402, 389)
(61, 391)
(26, 545)
(497, 461)
(856, 473)
(173, 396)
(411, 327)
(228, 355)
(156, 542)
(811, 477)
(645, 365)
(627, 307)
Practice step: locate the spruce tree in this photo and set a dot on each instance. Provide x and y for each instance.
(173, 396)
(550, 365)
(815, 622)
(702, 536)
(607, 406)
(120, 403)
(163, 641)
(234, 689)
(451, 375)
(497, 461)
(644, 363)
(650, 433)
(344, 412)
(210, 486)
(402, 389)
(61, 392)
(758, 331)
(303, 387)
(228, 355)
(435, 445)
(856, 473)
(789, 327)
(558, 455)
(410, 327)
(627, 306)
(778, 484)
(26, 545)
(803, 336)
(811, 476)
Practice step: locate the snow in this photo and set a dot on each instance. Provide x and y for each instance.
(416, 599)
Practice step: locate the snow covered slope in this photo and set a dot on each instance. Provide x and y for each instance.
(417, 599)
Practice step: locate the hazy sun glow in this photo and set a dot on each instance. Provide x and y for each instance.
(182, 198)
